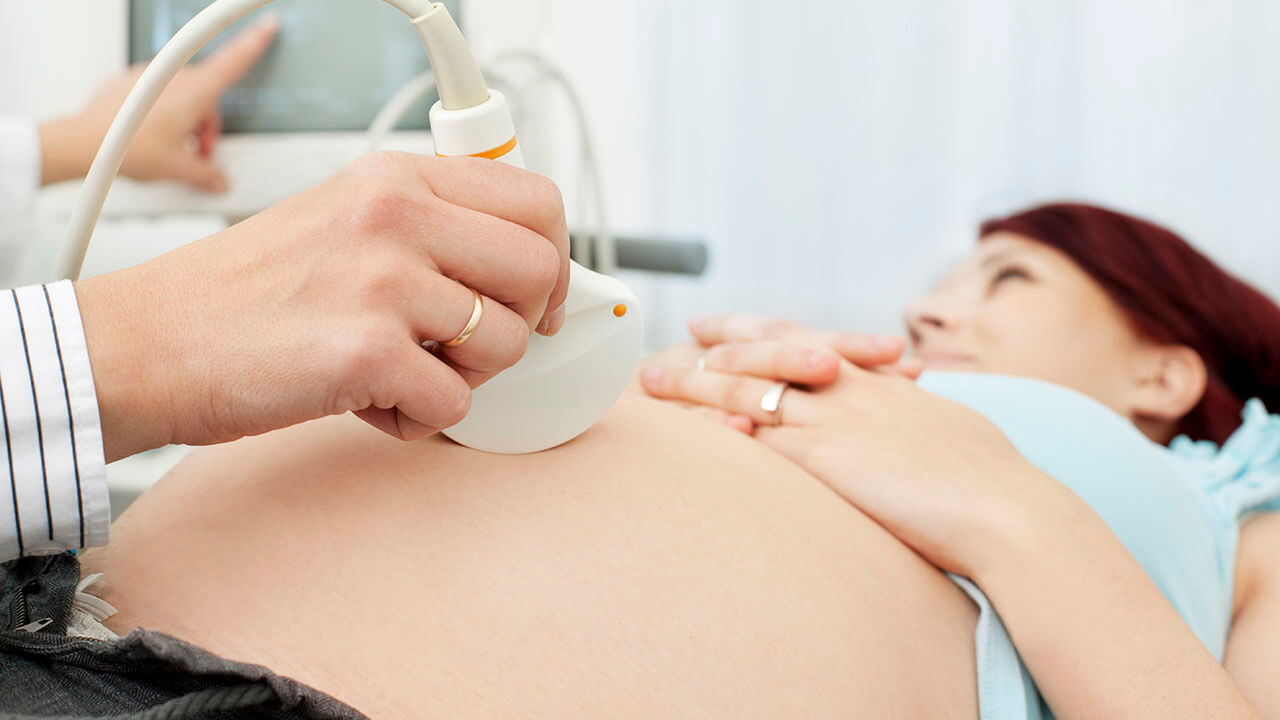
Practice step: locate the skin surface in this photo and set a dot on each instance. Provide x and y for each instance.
(711, 578)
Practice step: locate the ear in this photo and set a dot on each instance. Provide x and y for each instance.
(1171, 381)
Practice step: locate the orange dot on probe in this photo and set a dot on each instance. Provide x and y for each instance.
(619, 310)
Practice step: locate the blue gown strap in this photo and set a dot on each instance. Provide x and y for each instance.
(1005, 688)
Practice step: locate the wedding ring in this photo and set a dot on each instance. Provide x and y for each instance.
(474, 322)
(771, 401)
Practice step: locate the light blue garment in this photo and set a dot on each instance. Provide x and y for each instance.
(1177, 509)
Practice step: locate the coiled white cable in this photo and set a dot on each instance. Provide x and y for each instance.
(159, 73)
(412, 8)
(604, 253)
(393, 112)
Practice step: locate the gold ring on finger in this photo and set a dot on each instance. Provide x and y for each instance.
(472, 323)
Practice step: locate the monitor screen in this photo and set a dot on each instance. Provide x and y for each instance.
(333, 65)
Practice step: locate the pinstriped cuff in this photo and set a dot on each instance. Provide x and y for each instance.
(53, 467)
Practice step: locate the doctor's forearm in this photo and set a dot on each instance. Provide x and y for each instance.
(67, 147)
(126, 358)
(1095, 632)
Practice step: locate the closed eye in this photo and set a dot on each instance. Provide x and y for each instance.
(1007, 273)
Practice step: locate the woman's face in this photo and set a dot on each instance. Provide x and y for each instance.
(1019, 307)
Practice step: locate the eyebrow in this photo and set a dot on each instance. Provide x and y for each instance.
(996, 258)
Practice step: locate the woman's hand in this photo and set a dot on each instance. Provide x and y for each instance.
(936, 474)
(868, 351)
(812, 365)
(782, 350)
(321, 304)
(179, 135)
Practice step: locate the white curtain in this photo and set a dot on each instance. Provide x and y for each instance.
(838, 155)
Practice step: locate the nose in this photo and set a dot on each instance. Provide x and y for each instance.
(928, 314)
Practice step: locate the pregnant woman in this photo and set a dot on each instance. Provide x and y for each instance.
(1017, 534)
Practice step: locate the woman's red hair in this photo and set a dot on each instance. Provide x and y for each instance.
(1174, 295)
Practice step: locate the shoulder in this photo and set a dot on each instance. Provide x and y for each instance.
(1256, 569)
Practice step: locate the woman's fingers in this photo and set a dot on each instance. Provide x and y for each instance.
(775, 360)
(741, 423)
(862, 349)
(909, 367)
(794, 443)
(735, 394)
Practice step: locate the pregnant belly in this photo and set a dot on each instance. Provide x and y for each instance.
(658, 566)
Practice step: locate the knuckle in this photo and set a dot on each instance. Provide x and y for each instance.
(372, 209)
(453, 400)
(741, 394)
(852, 341)
(546, 200)
(512, 346)
(777, 328)
(543, 266)
(708, 325)
(377, 164)
(375, 194)
(675, 382)
(726, 356)
(785, 355)
(360, 357)
(374, 280)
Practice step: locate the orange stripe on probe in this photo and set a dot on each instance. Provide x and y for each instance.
(492, 154)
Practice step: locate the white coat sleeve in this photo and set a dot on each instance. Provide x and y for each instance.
(53, 485)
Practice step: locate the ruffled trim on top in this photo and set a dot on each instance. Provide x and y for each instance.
(1244, 474)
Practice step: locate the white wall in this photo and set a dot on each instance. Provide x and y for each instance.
(54, 52)
(837, 154)
(602, 49)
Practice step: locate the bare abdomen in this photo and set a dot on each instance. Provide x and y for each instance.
(659, 566)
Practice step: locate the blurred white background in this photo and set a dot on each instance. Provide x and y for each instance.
(837, 155)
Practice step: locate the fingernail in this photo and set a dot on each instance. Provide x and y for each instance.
(813, 359)
(268, 20)
(556, 321)
(652, 375)
(697, 324)
(888, 342)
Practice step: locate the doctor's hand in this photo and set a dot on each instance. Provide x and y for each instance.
(321, 304)
(178, 138)
(862, 349)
